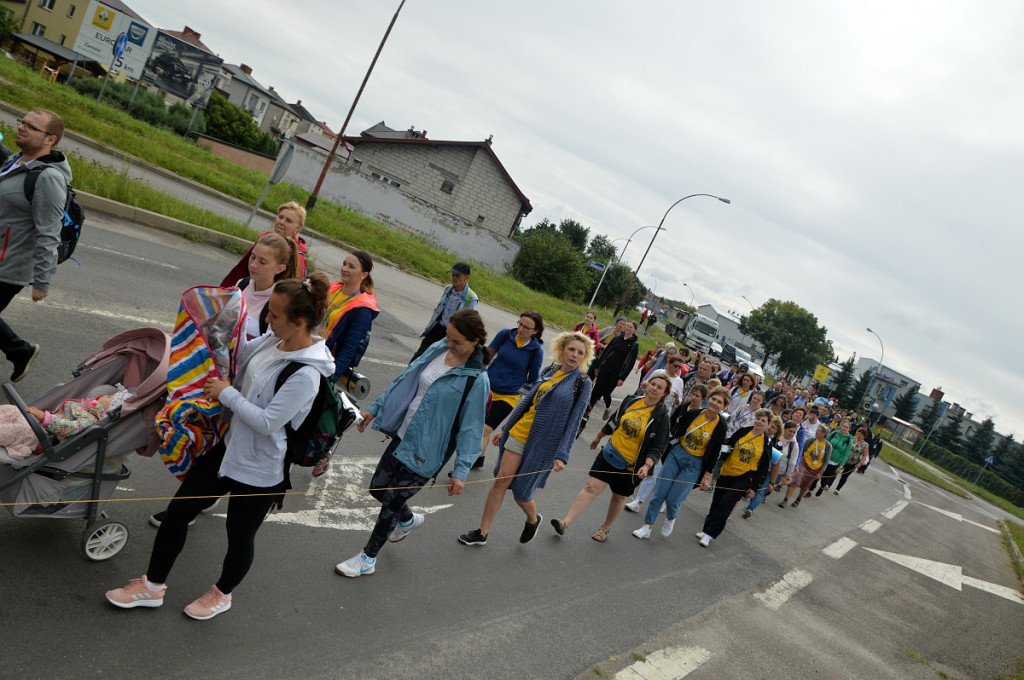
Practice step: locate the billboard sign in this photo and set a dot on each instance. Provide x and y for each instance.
(182, 69)
(99, 33)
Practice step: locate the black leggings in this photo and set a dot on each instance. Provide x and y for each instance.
(728, 490)
(245, 515)
(603, 387)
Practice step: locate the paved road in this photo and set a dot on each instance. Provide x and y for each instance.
(436, 609)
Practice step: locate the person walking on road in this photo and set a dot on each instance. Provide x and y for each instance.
(291, 218)
(432, 410)
(589, 329)
(810, 467)
(858, 455)
(613, 367)
(539, 435)
(251, 466)
(639, 434)
(31, 220)
(455, 296)
(519, 355)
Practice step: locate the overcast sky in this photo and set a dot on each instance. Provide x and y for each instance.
(872, 150)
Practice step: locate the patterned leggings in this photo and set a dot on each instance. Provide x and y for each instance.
(393, 484)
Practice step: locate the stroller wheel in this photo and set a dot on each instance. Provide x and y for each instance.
(103, 539)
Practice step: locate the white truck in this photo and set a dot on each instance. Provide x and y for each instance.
(696, 331)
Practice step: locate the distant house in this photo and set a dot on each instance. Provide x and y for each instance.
(465, 179)
(281, 119)
(307, 122)
(245, 91)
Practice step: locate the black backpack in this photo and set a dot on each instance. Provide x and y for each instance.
(327, 420)
(72, 218)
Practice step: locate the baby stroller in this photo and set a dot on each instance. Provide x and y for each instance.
(73, 477)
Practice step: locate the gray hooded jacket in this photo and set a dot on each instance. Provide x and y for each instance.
(30, 233)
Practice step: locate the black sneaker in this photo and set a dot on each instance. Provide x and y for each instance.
(21, 367)
(474, 537)
(795, 503)
(158, 519)
(530, 530)
(478, 463)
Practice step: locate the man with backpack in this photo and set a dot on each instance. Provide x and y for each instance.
(456, 295)
(30, 227)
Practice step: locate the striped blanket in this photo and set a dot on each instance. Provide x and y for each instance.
(206, 334)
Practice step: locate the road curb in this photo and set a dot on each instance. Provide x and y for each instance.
(1018, 558)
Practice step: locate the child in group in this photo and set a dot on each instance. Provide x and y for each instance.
(274, 258)
(70, 417)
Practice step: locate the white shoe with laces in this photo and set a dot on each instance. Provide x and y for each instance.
(667, 527)
(633, 506)
(643, 532)
(402, 530)
(705, 541)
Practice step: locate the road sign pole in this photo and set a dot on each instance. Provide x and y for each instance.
(119, 46)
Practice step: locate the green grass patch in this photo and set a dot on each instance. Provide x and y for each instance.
(900, 460)
(1015, 532)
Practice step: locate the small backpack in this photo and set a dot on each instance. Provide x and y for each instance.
(327, 420)
(72, 218)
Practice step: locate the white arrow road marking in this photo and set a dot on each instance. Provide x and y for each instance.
(948, 574)
(666, 664)
(894, 510)
(779, 592)
(958, 517)
(839, 548)
(871, 526)
(906, 491)
(341, 501)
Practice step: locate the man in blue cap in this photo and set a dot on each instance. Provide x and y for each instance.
(457, 295)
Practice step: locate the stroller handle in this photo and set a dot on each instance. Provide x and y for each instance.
(44, 439)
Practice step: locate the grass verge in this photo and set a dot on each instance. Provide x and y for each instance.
(898, 459)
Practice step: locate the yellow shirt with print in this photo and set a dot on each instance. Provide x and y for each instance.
(695, 441)
(814, 455)
(628, 436)
(745, 456)
(521, 430)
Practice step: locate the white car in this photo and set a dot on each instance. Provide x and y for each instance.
(752, 367)
(716, 350)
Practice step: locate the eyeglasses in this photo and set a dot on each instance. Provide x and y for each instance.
(525, 328)
(23, 123)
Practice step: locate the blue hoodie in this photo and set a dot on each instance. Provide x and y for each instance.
(514, 366)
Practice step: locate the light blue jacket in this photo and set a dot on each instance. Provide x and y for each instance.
(427, 446)
(469, 301)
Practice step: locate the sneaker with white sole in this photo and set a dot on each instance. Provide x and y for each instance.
(402, 530)
(157, 519)
(705, 541)
(633, 506)
(209, 604)
(701, 534)
(360, 565)
(667, 527)
(136, 594)
(643, 532)
(530, 530)
(474, 537)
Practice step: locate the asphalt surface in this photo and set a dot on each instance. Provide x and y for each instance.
(556, 608)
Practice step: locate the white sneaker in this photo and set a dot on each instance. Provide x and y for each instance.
(701, 534)
(402, 530)
(213, 508)
(633, 506)
(667, 527)
(359, 565)
(643, 532)
(705, 541)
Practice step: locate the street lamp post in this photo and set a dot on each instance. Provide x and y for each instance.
(632, 279)
(604, 273)
(752, 308)
(311, 201)
(878, 369)
(691, 293)
(621, 255)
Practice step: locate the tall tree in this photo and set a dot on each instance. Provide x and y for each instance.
(601, 249)
(949, 435)
(930, 416)
(1010, 461)
(979, 444)
(905, 405)
(842, 381)
(576, 233)
(548, 263)
(789, 333)
(857, 390)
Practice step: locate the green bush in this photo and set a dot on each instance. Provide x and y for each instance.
(961, 467)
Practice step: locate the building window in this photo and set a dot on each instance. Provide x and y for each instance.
(480, 218)
(71, 11)
(385, 179)
(38, 28)
(62, 38)
(447, 186)
(47, 4)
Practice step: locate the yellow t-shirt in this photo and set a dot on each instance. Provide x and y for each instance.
(696, 439)
(814, 455)
(521, 430)
(745, 455)
(629, 434)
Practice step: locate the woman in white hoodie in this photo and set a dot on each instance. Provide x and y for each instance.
(250, 463)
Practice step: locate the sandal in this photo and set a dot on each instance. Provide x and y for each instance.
(601, 535)
(560, 526)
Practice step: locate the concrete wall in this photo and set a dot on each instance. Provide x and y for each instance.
(398, 209)
(480, 190)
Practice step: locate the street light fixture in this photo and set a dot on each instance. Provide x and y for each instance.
(691, 293)
(752, 308)
(632, 279)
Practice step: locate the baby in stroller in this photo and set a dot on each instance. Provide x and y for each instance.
(17, 439)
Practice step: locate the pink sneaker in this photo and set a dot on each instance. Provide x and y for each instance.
(136, 594)
(213, 602)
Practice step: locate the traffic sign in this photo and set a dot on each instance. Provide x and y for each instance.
(120, 45)
(991, 459)
(593, 264)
